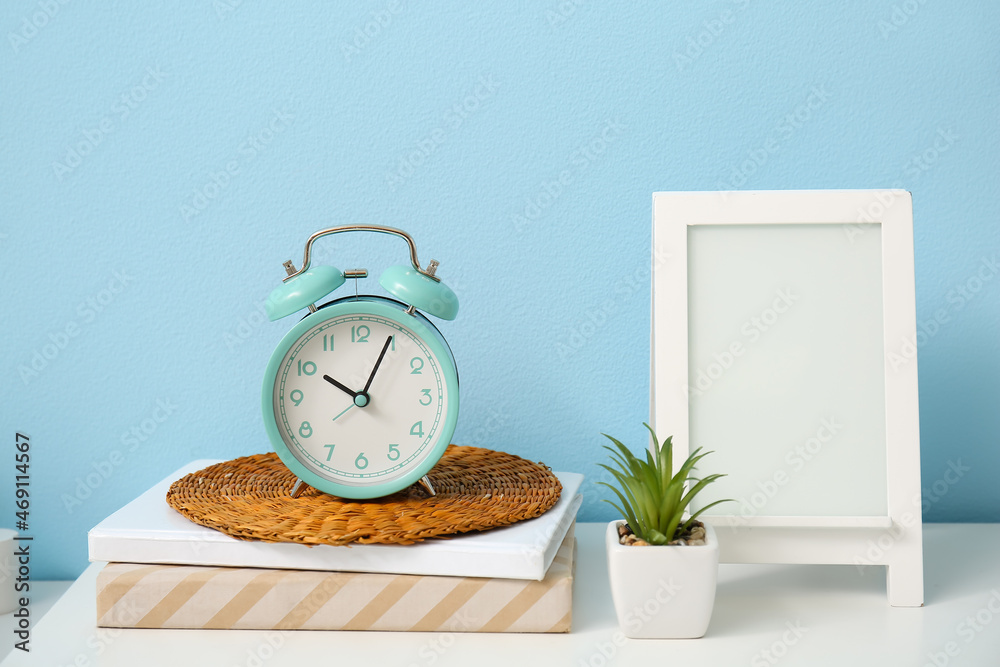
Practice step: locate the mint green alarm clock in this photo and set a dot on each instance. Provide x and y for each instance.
(360, 398)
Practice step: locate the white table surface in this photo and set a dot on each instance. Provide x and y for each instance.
(842, 618)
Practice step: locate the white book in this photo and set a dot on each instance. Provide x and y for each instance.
(147, 530)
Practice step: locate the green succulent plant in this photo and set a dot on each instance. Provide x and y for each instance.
(653, 500)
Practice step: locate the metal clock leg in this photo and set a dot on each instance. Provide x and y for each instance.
(426, 483)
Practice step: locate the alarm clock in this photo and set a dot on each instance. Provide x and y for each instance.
(360, 397)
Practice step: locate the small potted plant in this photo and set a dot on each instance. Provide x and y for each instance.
(663, 565)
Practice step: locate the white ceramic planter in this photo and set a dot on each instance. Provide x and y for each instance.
(663, 592)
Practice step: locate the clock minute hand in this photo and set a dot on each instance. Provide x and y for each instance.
(336, 384)
(377, 364)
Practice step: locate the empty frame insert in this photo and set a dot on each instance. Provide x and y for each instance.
(780, 329)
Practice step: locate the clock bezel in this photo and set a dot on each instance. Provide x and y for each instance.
(379, 307)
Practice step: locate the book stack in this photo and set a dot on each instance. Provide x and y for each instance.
(163, 571)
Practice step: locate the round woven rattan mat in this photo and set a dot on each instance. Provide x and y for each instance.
(477, 489)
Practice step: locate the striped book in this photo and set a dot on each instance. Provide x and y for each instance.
(131, 595)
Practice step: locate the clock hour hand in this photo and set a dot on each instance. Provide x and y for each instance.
(360, 397)
(377, 364)
(339, 386)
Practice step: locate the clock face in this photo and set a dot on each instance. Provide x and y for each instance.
(364, 398)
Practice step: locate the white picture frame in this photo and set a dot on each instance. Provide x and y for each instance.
(849, 349)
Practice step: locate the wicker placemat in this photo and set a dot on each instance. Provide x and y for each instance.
(477, 489)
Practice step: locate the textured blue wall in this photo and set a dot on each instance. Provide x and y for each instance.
(160, 162)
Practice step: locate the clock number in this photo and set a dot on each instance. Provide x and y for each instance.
(306, 430)
(328, 342)
(417, 429)
(393, 344)
(361, 462)
(426, 394)
(393, 454)
(296, 396)
(416, 365)
(360, 334)
(308, 368)
(329, 454)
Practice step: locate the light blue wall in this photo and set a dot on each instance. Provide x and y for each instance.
(452, 121)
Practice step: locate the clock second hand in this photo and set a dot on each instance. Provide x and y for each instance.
(344, 411)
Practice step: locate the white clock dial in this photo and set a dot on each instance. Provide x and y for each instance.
(360, 399)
